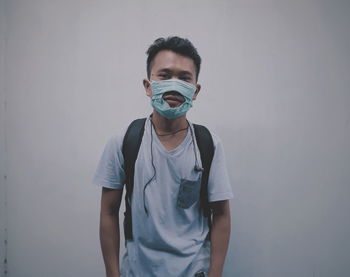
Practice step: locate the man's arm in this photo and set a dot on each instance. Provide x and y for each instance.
(220, 236)
(109, 230)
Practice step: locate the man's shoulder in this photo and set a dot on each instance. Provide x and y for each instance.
(215, 137)
(117, 137)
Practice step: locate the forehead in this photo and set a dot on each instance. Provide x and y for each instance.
(171, 60)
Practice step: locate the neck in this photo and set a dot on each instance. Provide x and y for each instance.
(168, 125)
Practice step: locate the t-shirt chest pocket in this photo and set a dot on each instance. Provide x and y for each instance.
(189, 192)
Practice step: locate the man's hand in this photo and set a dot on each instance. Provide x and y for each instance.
(220, 236)
(109, 230)
(113, 275)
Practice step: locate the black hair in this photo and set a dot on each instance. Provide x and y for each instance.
(176, 44)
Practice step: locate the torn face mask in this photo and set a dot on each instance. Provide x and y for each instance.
(185, 89)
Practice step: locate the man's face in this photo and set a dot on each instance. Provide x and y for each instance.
(168, 65)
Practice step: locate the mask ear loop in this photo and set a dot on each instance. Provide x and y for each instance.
(196, 166)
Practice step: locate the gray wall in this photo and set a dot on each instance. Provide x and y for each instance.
(275, 83)
(3, 215)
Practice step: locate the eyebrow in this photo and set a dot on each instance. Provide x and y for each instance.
(166, 70)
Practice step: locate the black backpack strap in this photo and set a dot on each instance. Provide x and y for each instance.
(206, 148)
(131, 145)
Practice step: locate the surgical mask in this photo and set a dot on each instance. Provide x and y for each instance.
(186, 89)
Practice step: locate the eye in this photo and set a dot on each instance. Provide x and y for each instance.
(186, 79)
(164, 76)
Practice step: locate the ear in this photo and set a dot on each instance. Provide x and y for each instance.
(196, 92)
(147, 86)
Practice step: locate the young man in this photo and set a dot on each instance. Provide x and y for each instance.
(170, 234)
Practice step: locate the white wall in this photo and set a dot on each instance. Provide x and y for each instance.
(275, 80)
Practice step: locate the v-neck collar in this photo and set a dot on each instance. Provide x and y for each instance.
(160, 145)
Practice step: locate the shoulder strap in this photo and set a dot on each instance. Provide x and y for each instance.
(131, 145)
(206, 148)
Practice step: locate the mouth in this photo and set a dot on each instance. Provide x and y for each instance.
(173, 98)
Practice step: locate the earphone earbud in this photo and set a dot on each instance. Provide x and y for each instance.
(197, 168)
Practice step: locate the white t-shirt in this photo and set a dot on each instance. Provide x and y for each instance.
(170, 240)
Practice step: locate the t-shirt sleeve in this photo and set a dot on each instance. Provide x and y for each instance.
(219, 187)
(110, 172)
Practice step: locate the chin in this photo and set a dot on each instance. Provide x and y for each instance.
(174, 106)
